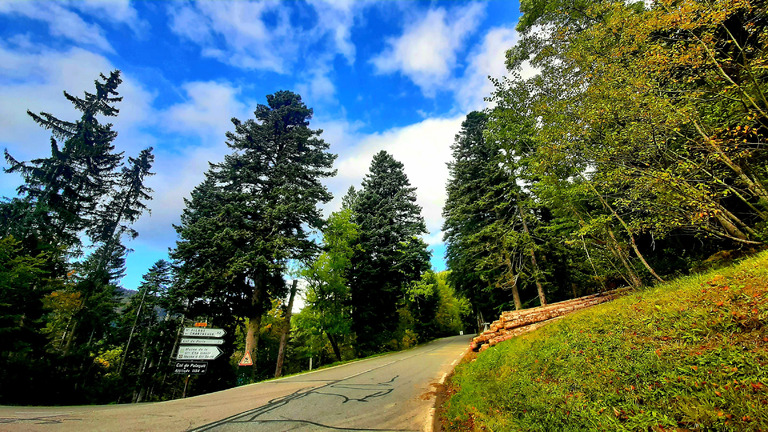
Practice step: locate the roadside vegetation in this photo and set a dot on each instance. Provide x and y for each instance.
(690, 354)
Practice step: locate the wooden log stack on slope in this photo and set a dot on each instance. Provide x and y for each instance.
(515, 323)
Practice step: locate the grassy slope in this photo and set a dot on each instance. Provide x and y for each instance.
(689, 354)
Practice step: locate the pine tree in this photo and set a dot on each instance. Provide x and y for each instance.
(389, 255)
(125, 207)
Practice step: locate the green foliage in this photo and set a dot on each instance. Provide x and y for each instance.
(433, 308)
(635, 152)
(477, 262)
(686, 354)
(328, 299)
(149, 328)
(23, 285)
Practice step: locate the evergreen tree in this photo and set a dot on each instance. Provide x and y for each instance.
(253, 212)
(82, 191)
(389, 253)
(465, 215)
(127, 204)
(66, 189)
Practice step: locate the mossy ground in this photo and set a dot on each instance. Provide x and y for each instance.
(691, 354)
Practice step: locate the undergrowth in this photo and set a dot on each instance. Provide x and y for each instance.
(691, 354)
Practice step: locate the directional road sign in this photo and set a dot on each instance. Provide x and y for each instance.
(190, 367)
(193, 341)
(203, 332)
(190, 352)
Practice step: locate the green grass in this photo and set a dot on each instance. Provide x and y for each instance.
(691, 354)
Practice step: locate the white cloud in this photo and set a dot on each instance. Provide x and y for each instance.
(427, 50)
(424, 150)
(113, 12)
(237, 33)
(261, 35)
(488, 59)
(61, 22)
(207, 111)
(336, 18)
(34, 80)
(317, 87)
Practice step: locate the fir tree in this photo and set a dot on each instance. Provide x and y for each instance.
(253, 212)
(389, 256)
(66, 188)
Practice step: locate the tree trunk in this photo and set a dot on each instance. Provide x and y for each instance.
(633, 277)
(70, 336)
(480, 321)
(730, 228)
(335, 346)
(755, 186)
(252, 339)
(516, 296)
(254, 323)
(626, 228)
(542, 297)
(286, 330)
(130, 336)
(515, 291)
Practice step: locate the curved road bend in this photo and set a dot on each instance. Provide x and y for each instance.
(387, 393)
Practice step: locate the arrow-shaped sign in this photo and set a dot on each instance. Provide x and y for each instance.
(198, 353)
(203, 332)
(193, 341)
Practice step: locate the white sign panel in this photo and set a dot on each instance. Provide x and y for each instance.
(203, 332)
(198, 353)
(192, 341)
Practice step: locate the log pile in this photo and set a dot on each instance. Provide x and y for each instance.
(515, 323)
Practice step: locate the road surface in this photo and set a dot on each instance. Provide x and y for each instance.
(388, 393)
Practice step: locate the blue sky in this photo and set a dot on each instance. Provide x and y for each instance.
(385, 75)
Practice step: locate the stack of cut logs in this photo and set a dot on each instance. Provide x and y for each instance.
(515, 323)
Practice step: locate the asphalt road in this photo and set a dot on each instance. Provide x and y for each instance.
(388, 393)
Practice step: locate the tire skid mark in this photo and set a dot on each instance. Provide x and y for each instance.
(251, 416)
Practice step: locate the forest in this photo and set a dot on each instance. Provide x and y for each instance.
(247, 237)
(635, 154)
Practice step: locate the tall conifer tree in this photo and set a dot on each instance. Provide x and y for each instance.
(390, 253)
(253, 212)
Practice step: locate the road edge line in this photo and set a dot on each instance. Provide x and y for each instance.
(429, 424)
